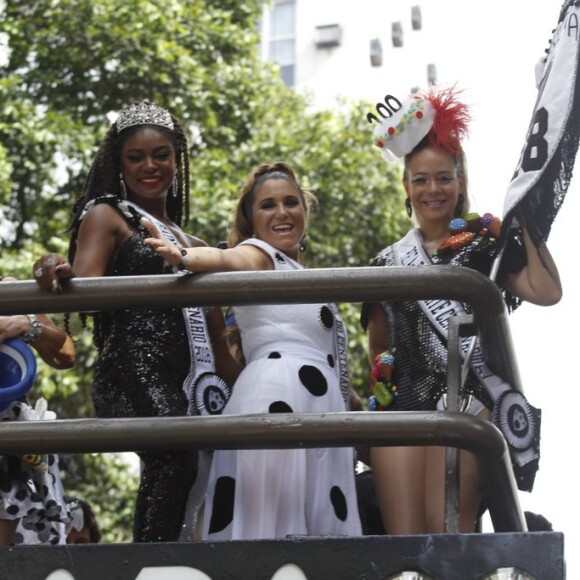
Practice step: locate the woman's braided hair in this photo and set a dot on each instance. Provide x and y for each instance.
(104, 179)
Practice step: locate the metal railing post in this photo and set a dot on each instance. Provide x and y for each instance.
(449, 429)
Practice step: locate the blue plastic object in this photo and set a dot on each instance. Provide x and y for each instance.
(17, 370)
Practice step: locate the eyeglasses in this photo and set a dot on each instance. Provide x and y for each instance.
(441, 179)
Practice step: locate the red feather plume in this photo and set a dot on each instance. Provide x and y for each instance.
(451, 121)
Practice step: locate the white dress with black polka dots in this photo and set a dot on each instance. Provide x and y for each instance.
(291, 366)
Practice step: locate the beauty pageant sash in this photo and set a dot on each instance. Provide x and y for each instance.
(206, 392)
(512, 414)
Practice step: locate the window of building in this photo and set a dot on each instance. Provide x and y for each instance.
(281, 38)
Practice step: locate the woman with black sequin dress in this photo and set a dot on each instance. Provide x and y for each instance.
(407, 340)
(147, 366)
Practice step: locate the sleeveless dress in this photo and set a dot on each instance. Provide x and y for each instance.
(31, 489)
(291, 366)
(143, 361)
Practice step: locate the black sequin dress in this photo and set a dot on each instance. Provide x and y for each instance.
(420, 370)
(144, 359)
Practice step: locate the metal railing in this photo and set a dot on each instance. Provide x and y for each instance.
(285, 430)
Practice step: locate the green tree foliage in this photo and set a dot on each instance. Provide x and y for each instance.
(74, 62)
(109, 482)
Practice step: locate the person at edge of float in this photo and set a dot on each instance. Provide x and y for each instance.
(295, 359)
(406, 350)
(32, 506)
(149, 363)
(84, 528)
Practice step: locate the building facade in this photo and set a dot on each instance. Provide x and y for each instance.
(357, 50)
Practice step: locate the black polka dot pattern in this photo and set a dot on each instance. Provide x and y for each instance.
(31, 494)
(313, 380)
(222, 512)
(18, 538)
(280, 407)
(300, 379)
(338, 501)
(326, 317)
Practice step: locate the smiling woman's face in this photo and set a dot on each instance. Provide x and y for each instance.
(433, 185)
(148, 163)
(279, 215)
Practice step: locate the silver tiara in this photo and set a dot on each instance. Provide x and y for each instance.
(143, 113)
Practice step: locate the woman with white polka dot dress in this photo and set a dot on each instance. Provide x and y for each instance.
(295, 357)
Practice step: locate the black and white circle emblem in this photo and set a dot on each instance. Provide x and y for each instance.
(210, 393)
(516, 420)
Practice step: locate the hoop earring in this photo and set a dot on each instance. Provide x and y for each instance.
(303, 246)
(459, 206)
(409, 207)
(123, 188)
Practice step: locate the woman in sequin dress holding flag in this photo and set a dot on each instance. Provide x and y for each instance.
(410, 337)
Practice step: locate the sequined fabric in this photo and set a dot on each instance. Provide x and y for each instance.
(144, 359)
(480, 254)
(420, 372)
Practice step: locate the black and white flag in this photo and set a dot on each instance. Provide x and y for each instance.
(544, 171)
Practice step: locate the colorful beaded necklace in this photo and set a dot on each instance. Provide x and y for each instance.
(469, 230)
